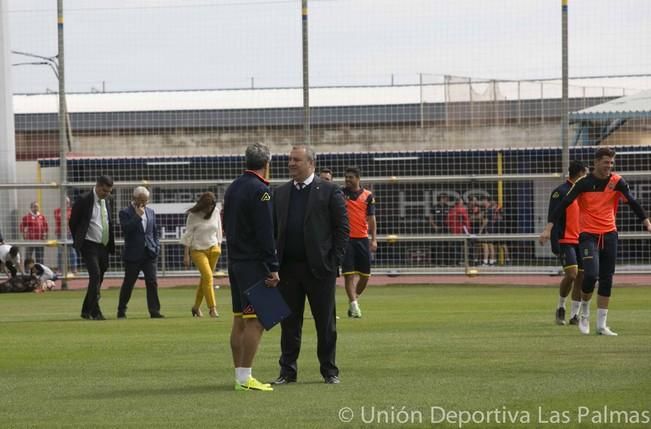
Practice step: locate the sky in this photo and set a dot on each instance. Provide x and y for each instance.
(132, 45)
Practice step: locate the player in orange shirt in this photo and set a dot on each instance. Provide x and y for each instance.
(565, 245)
(598, 194)
(360, 205)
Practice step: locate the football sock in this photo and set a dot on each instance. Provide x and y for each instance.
(561, 301)
(242, 375)
(585, 308)
(602, 314)
(574, 309)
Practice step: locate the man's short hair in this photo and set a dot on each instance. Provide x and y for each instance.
(105, 180)
(604, 151)
(325, 170)
(257, 156)
(353, 170)
(13, 251)
(575, 168)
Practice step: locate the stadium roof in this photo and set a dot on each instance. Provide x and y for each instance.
(226, 99)
(286, 98)
(628, 107)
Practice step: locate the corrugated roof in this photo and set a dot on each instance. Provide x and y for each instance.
(287, 98)
(225, 99)
(628, 107)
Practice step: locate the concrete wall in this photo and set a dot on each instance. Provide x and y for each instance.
(340, 139)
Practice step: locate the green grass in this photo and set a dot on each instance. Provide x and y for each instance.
(459, 348)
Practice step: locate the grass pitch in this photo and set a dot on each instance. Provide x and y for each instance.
(422, 356)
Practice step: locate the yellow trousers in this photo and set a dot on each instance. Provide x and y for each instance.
(205, 261)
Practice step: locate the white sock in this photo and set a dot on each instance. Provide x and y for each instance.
(561, 301)
(602, 315)
(585, 309)
(353, 304)
(242, 375)
(574, 309)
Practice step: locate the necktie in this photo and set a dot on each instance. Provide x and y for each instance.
(300, 186)
(105, 225)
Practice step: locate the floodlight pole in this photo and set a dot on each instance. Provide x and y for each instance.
(565, 104)
(306, 77)
(62, 147)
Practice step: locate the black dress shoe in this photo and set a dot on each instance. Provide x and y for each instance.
(282, 379)
(86, 316)
(331, 379)
(99, 316)
(157, 316)
(122, 315)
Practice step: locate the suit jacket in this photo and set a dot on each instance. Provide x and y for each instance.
(326, 227)
(138, 242)
(82, 211)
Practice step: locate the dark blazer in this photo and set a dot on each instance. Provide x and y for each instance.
(326, 227)
(139, 243)
(80, 215)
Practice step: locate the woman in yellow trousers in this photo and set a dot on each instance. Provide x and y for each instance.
(202, 240)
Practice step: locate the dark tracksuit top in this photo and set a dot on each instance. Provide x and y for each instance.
(598, 200)
(566, 229)
(248, 221)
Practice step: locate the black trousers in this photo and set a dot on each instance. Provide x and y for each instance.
(96, 258)
(12, 268)
(599, 254)
(131, 271)
(297, 282)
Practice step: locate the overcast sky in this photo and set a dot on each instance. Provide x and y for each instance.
(198, 44)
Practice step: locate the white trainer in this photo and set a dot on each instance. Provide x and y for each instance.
(606, 331)
(354, 311)
(584, 325)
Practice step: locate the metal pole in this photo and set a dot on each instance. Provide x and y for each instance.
(7, 131)
(565, 104)
(63, 139)
(306, 77)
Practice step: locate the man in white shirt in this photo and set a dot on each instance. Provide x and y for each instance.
(91, 227)
(10, 260)
(42, 274)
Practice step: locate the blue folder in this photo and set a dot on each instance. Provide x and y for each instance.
(269, 305)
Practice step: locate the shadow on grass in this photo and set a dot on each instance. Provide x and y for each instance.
(172, 391)
(142, 392)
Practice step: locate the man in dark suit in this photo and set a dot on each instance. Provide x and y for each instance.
(140, 252)
(91, 227)
(312, 232)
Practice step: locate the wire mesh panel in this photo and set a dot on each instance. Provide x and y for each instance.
(451, 111)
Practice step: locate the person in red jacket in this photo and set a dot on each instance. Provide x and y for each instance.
(34, 226)
(598, 195)
(458, 224)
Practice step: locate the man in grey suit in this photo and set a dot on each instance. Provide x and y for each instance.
(140, 253)
(311, 227)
